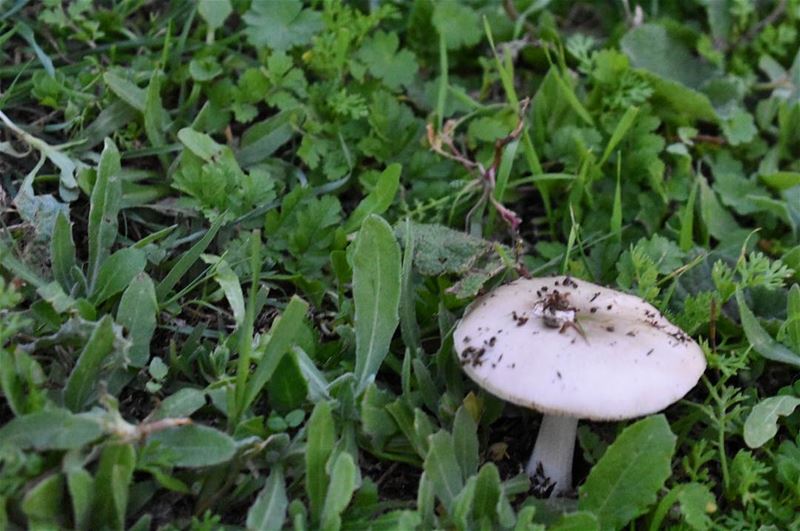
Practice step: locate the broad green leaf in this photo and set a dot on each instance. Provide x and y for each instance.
(317, 383)
(22, 380)
(461, 511)
(82, 382)
(114, 474)
(104, 208)
(200, 144)
(626, 480)
(426, 501)
(719, 221)
(340, 491)
(395, 67)
(80, 485)
(378, 200)
(280, 25)
(186, 261)
(762, 422)
(214, 12)
(263, 139)
(762, 342)
(42, 502)
(465, 441)
(320, 439)
(125, 90)
(577, 521)
(116, 273)
(194, 445)
(376, 294)
(182, 403)
(269, 509)
(457, 23)
(288, 387)
(488, 491)
(697, 502)
(283, 334)
(54, 429)
(62, 252)
(782, 180)
(651, 47)
(442, 468)
(230, 284)
(137, 312)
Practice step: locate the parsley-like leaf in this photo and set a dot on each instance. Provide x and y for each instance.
(281, 25)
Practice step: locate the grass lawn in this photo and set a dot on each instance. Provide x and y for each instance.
(238, 239)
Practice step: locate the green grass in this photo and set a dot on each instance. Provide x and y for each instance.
(235, 238)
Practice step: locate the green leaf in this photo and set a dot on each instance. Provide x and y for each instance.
(82, 382)
(155, 117)
(442, 468)
(793, 317)
(320, 439)
(696, 502)
(104, 208)
(376, 294)
(577, 521)
(55, 429)
(782, 180)
(761, 341)
(261, 140)
(116, 273)
(214, 12)
(125, 90)
(229, 282)
(378, 200)
(80, 485)
(650, 47)
(186, 261)
(42, 503)
(281, 25)
(137, 312)
(288, 387)
(115, 473)
(457, 23)
(384, 61)
(180, 404)
(283, 334)
(340, 491)
(626, 480)
(762, 422)
(62, 252)
(409, 327)
(488, 491)
(194, 445)
(269, 509)
(465, 440)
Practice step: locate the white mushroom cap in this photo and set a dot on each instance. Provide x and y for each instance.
(630, 360)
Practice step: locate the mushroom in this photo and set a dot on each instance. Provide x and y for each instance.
(572, 349)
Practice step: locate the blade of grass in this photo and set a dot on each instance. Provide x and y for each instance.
(187, 260)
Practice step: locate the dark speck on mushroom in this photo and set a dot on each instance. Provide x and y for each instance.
(558, 374)
(544, 288)
(649, 352)
(466, 339)
(610, 328)
(631, 333)
(593, 309)
(594, 296)
(608, 307)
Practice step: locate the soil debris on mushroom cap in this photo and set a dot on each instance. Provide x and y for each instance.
(631, 362)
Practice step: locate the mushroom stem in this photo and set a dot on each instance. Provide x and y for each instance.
(553, 450)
